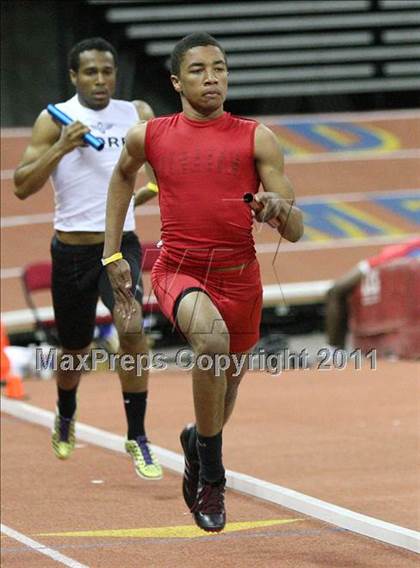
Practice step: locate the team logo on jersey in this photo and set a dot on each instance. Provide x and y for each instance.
(101, 126)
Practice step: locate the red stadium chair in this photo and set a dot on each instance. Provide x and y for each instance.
(36, 277)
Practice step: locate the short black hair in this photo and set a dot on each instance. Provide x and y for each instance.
(97, 43)
(188, 42)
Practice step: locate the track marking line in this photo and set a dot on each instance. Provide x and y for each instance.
(7, 174)
(17, 220)
(316, 157)
(41, 548)
(10, 221)
(265, 248)
(355, 156)
(322, 510)
(292, 292)
(388, 115)
(360, 196)
(19, 132)
(13, 272)
(255, 535)
(180, 531)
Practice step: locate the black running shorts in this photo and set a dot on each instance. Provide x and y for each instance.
(78, 279)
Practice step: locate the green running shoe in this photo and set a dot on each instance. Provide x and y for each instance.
(63, 438)
(145, 462)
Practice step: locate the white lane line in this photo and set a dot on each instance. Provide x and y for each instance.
(285, 247)
(404, 154)
(15, 132)
(291, 293)
(6, 273)
(388, 115)
(336, 244)
(7, 174)
(150, 210)
(325, 157)
(360, 196)
(344, 518)
(18, 220)
(41, 548)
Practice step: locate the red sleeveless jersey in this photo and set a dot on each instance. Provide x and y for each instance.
(203, 168)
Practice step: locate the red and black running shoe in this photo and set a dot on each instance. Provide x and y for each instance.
(191, 469)
(209, 507)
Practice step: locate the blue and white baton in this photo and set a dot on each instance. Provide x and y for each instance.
(63, 118)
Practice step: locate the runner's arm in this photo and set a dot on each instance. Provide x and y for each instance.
(144, 193)
(278, 197)
(49, 143)
(122, 186)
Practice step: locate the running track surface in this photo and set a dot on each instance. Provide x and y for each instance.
(346, 437)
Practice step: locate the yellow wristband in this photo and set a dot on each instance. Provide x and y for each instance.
(112, 258)
(152, 187)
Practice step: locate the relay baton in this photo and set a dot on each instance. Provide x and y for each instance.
(256, 206)
(63, 118)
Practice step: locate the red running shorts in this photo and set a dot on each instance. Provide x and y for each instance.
(237, 294)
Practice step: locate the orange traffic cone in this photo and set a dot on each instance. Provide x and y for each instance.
(14, 387)
(4, 359)
(14, 383)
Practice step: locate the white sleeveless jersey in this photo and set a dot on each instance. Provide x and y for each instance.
(81, 178)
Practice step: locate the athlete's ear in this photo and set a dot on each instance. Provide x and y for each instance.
(73, 76)
(176, 83)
